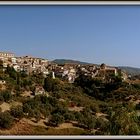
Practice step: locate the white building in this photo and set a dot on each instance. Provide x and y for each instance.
(2, 82)
(7, 54)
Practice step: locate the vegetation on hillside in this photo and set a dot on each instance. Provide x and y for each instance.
(95, 106)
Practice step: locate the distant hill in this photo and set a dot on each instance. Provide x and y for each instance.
(127, 69)
(63, 61)
(130, 70)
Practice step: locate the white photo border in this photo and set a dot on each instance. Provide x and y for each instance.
(32, 3)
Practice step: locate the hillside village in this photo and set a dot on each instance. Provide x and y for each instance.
(43, 97)
(68, 71)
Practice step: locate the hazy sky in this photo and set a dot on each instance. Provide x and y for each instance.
(97, 34)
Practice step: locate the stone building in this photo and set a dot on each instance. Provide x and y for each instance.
(6, 54)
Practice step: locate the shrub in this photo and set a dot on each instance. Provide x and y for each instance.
(102, 124)
(7, 96)
(69, 116)
(17, 111)
(37, 115)
(138, 106)
(26, 108)
(6, 120)
(1, 98)
(56, 119)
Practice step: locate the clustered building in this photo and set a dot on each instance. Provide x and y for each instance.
(67, 71)
(26, 63)
(102, 72)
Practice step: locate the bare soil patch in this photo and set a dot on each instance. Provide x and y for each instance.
(5, 106)
(75, 108)
(27, 94)
(39, 123)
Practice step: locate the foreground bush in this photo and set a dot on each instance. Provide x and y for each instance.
(17, 111)
(6, 120)
(56, 119)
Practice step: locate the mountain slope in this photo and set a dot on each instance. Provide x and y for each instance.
(130, 70)
(63, 61)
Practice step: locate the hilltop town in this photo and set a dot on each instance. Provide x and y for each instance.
(41, 97)
(68, 71)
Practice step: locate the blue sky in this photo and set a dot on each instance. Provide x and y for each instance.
(97, 34)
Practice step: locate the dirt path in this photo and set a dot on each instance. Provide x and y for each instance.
(101, 114)
(65, 125)
(78, 109)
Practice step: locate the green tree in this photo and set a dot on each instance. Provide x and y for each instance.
(88, 120)
(1, 98)
(37, 115)
(23, 74)
(45, 111)
(1, 64)
(26, 108)
(69, 116)
(11, 71)
(123, 123)
(6, 95)
(102, 124)
(17, 111)
(18, 79)
(56, 119)
(48, 84)
(6, 120)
